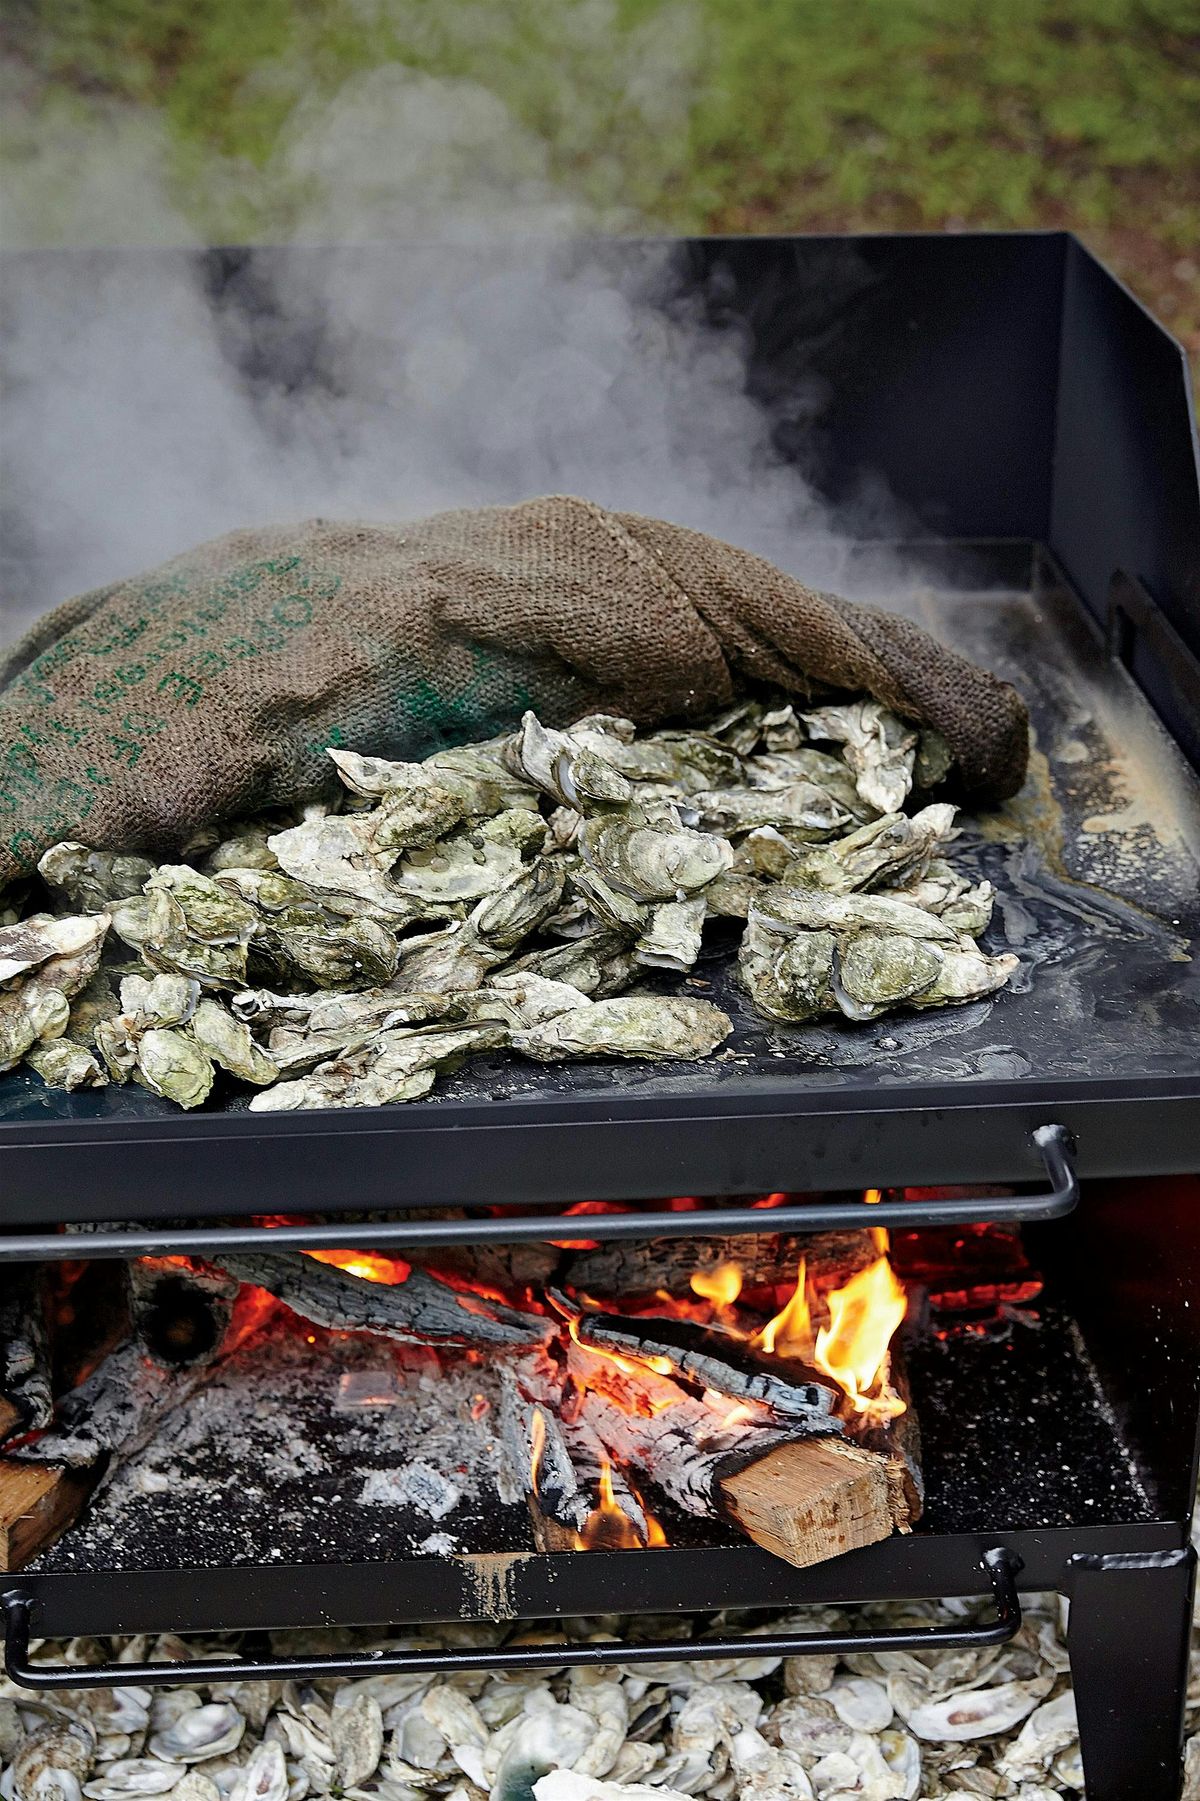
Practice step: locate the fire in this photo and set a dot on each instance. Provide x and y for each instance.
(608, 1527)
(722, 1284)
(853, 1348)
(367, 1264)
(790, 1333)
(880, 1237)
(864, 1316)
(537, 1434)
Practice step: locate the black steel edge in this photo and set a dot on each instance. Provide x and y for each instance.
(628, 1156)
(530, 1585)
(753, 1098)
(1000, 1566)
(1055, 1202)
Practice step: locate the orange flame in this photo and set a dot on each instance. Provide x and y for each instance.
(537, 1436)
(863, 1316)
(367, 1264)
(790, 1333)
(880, 1237)
(722, 1284)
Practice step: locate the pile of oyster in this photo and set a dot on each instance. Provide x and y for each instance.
(506, 895)
(900, 1726)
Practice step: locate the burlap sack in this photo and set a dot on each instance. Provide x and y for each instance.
(213, 684)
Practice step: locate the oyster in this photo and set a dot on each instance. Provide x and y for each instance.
(877, 970)
(572, 771)
(784, 769)
(246, 848)
(880, 749)
(228, 1042)
(172, 1065)
(672, 938)
(636, 1025)
(967, 975)
(53, 1762)
(464, 867)
(91, 879)
(200, 1733)
(394, 1066)
(598, 965)
(653, 861)
(160, 1001)
(503, 919)
(739, 726)
(802, 810)
(37, 1009)
(41, 939)
(64, 1064)
(134, 1776)
(786, 909)
(335, 857)
(781, 729)
(788, 978)
(613, 908)
(439, 962)
(170, 947)
(211, 913)
(351, 953)
(891, 848)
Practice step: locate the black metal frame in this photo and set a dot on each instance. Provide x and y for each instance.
(1053, 1142)
(999, 1565)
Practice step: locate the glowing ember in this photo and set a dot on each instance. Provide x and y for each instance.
(537, 1433)
(367, 1264)
(722, 1284)
(853, 1347)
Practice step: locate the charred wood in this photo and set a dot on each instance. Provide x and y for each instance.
(26, 1398)
(179, 1312)
(637, 1270)
(420, 1310)
(564, 1468)
(711, 1360)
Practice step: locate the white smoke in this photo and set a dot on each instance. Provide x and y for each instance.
(458, 347)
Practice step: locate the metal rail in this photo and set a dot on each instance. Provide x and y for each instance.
(1051, 1141)
(1000, 1566)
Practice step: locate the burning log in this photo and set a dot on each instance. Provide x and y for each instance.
(577, 1500)
(802, 1498)
(718, 1268)
(710, 1360)
(180, 1312)
(26, 1400)
(419, 1310)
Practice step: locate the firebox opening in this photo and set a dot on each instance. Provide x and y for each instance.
(291, 1432)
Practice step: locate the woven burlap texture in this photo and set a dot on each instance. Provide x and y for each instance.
(212, 685)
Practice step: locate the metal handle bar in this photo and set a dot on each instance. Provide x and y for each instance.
(1052, 1142)
(999, 1565)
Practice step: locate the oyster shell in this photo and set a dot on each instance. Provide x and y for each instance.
(880, 749)
(636, 1025)
(91, 879)
(877, 970)
(63, 1064)
(335, 857)
(788, 909)
(53, 1762)
(246, 848)
(170, 1064)
(967, 975)
(802, 810)
(503, 919)
(672, 939)
(789, 979)
(891, 848)
(212, 1730)
(653, 861)
(41, 939)
(614, 909)
(784, 769)
(228, 1042)
(351, 953)
(134, 1776)
(393, 1067)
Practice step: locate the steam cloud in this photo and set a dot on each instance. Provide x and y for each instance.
(146, 410)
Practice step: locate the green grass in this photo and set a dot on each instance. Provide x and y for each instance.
(751, 115)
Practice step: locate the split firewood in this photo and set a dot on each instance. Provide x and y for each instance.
(804, 1499)
(180, 1311)
(420, 1310)
(636, 1270)
(710, 1360)
(26, 1401)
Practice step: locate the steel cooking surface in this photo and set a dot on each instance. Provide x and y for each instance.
(1097, 867)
